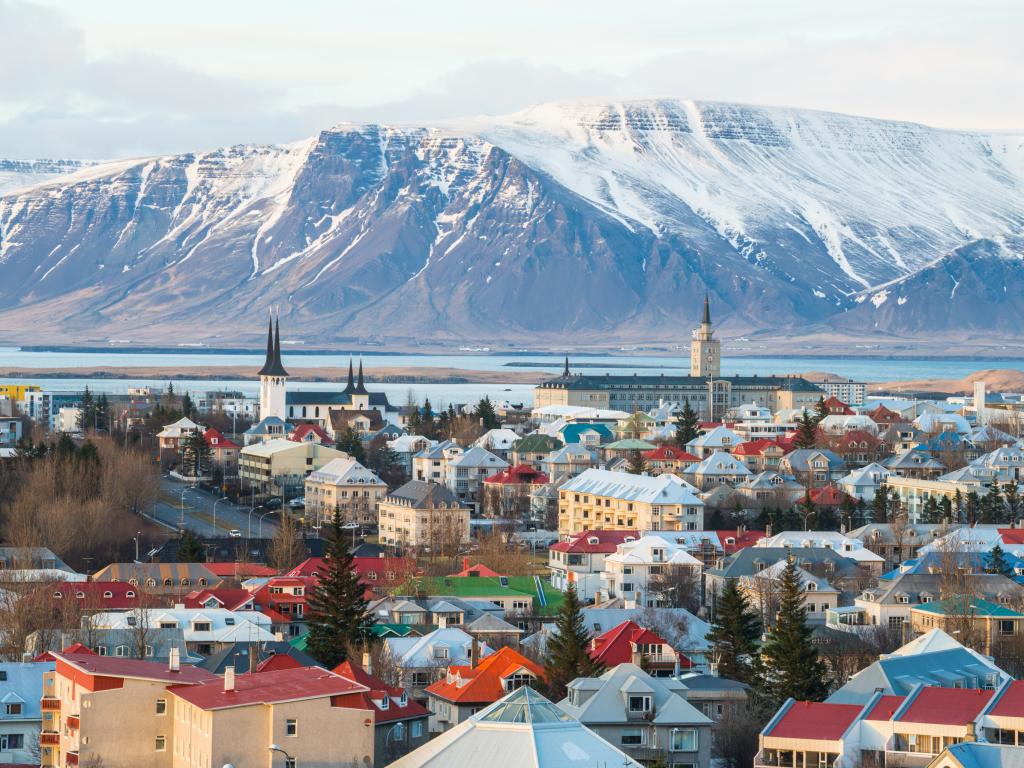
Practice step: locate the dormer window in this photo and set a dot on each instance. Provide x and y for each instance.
(385, 702)
(108, 594)
(812, 587)
(639, 703)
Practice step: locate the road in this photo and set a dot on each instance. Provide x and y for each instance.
(198, 514)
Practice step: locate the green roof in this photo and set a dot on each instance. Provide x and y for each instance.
(630, 444)
(391, 630)
(299, 643)
(537, 444)
(487, 586)
(969, 605)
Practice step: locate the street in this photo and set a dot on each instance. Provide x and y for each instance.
(198, 514)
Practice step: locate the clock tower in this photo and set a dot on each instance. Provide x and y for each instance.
(705, 351)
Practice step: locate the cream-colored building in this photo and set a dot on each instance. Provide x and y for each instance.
(347, 485)
(423, 514)
(914, 492)
(599, 499)
(280, 467)
(125, 713)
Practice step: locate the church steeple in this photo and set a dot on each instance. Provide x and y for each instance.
(565, 372)
(707, 311)
(273, 366)
(350, 387)
(273, 375)
(360, 386)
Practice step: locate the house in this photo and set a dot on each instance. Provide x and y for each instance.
(863, 482)
(630, 643)
(533, 449)
(310, 433)
(767, 489)
(641, 569)
(600, 499)
(646, 717)
(407, 446)
(1003, 722)
(497, 441)
(243, 656)
(848, 546)
(813, 466)
(624, 449)
(363, 421)
(171, 436)
(345, 485)
(521, 730)
(896, 543)
(506, 494)
(762, 590)
(719, 439)
(857, 447)
(284, 601)
(667, 458)
(914, 464)
(760, 455)
(465, 690)
(22, 717)
(588, 435)
(400, 724)
(95, 596)
(206, 630)
(464, 474)
(520, 597)
(717, 468)
(986, 624)
(431, 464)
(579, 559)
(569, 461)
(420, 661)
(160, 578)
(267, 428)
(713, 695)
(973, 754)
(279, 467)
(423, 514)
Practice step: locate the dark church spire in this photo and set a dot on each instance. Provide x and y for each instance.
(350, 387)
(273, 365)
(707, 311)
(565, 372)
(360, 386)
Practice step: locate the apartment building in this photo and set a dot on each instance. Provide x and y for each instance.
(635, 569)
(423, 514)
(601, 499)
(345, 485)
(579, 559)
(431, 464)
(280, 467)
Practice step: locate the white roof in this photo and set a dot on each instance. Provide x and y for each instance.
(179, 427)
(418, 652)
(808, 581)
(663, 489)
(843, 545)
(479, 457)
(642, 551)
(719, 463)
(571, 412)
(225, 626)
(345, 472)
(409, 443)
(866, 475)
(271, 447)
(717, 437)
(938, 422)
(840, 424)
(497, 439)
(522, 730)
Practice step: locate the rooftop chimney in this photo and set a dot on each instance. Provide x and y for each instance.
(474, 652)
(229, 679)
(174, 660)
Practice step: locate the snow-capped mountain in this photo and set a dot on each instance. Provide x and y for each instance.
(600, 221)
(16, 174)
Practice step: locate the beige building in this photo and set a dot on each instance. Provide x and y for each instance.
(123, 713)
(347, 485)
(914, 492)
(599, 499)
(280, 467)
(423, 514)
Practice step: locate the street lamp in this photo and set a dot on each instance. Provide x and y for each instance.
(218, 501)
(259, 530)
(289, 760)
(136, 537)
(183, 492)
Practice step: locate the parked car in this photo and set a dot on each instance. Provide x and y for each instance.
(297, 503)
(234, 533)
(349, 526)
(273, 503)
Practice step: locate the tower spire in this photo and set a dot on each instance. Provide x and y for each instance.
(565, 372)
(707, 311)
(350, 387)
(273, 366)
(360, 386)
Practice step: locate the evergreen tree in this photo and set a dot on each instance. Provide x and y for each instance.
(862, 517)
(734, 633)
(188, 408)
(806, 431)
(808, 513)
(1011, 495)
(848, 512)
(971, 504)
(930, 512)
(195, 455)
(880, 504)
(997, 562)
(486, 415)
(958, 507)
(87, 411)
(687, 425)
(427, 420)
(102, 419)
(996, 505)
(189, 548)
(413, 420)
(945, 509)
(636, 464)
(820, 411)
(337, 611)
(567, 648)
(349, 442)
(790, 663)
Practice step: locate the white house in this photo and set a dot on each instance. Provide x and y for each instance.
(863, 482)
(633, 570)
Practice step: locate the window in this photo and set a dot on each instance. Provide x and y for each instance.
(201, 626)
(639, 703)
(291, 727)
(289, 762)
(416, 729)
(631, 737)
(161, 706)
(1006, 627)
(161, 743)
(398, 732)
(895, 622)
(121, 650)
(129, 593)
(108, 594)
(518, 680)
(11, 741)
(684, 740)
(101, 650)
(13, 708)
(440, 652)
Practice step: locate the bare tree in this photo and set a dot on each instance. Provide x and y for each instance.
(678, 586)
(285, 550)
(736, 735)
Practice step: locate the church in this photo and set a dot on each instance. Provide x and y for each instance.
(353, 406)
(709, 393)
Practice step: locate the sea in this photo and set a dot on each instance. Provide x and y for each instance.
(855, 368)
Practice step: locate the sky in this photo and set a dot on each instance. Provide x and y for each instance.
(102, 79)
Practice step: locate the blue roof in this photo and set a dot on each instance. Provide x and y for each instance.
(570, 433)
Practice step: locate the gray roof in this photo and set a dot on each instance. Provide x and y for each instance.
(606, 703)
(990, 586)
(488, 622)
(32, 557)
(799, 459)
(238, 655)
(420, 494)
(749, 561)
(711, 683)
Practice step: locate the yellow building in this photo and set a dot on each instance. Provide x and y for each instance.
(422, 514)
(16, 392)
(347, 485)
(280, 467)
(599, 499)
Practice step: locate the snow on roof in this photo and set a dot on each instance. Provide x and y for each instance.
(345, 472)
(642, 551)
(663, 489)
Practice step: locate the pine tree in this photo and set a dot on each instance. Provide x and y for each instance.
(1011, 494)
(806, 431)
(734, 633)
(567, 648)
(413, 421)
(87, 411)
(350, 442)
(486, 414)
(102, 419)
(636, 464)
(195, 455)
(687, 425)
(808, 513)
(958, 506)
(997, 562)
(188, 408)
(337, 611)
(791, 666)
(945, 509)
(930, 512)
(189, 549)
(820, 411)
(848, 511)
(971, 504)
(427, 420)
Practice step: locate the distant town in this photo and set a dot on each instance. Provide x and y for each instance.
(673, 571)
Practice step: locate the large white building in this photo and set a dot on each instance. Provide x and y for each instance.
(634, 570)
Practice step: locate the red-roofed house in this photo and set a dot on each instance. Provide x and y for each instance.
(401, 723)
(310, 433)
(858, 447)
(1013, 536)
(231, 599)
(223, 451)
(476, 570)
(96, 596)
(827, 496)
(465, 690)
(1004, 720)
(760, 455)
(317, 717)
(283, 600)
(733, 541)
(579, 559)
(837, 407)
(240, 571)
(884, 417)
(809, 733)
(668, 458)
(629, 643)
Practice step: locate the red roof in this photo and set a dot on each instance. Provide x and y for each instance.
(267, 688)
(482, 684)
(276, 662)
(476, 570)
(668, 452)
(838, 407)
(817, 721)
(1011, 703)
(584, 542)
(946, 706)
(827, 496)
(240, 570)
(885, 708)
(376, 690)
(232, 599)
(615, 646)
(101, 595)
(1012, 535)
(521, 474)
(113, 666)
(742, 539)
(217, 441)
(883, 415)
(754, 447)
(852, 441)
(73, 648)
(301, 434)
(309, 567)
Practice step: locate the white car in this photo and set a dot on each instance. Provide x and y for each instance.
(349, 526)
(234, 533)
(299, 503)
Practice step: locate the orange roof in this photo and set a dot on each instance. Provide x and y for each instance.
(476, 570)
(482, 684)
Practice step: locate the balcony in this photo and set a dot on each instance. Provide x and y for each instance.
(50, 704)
(49, 739)
(73, 722)
(71, 758)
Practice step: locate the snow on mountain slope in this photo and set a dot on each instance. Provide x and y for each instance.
(600, 221)
(19, 174)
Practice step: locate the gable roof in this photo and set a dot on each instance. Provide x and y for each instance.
(616, 645)
(945, 706)
(594, 542)
(814, 720)
(273, 687)
(663, 489)
(376, 690)
(484, 682)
